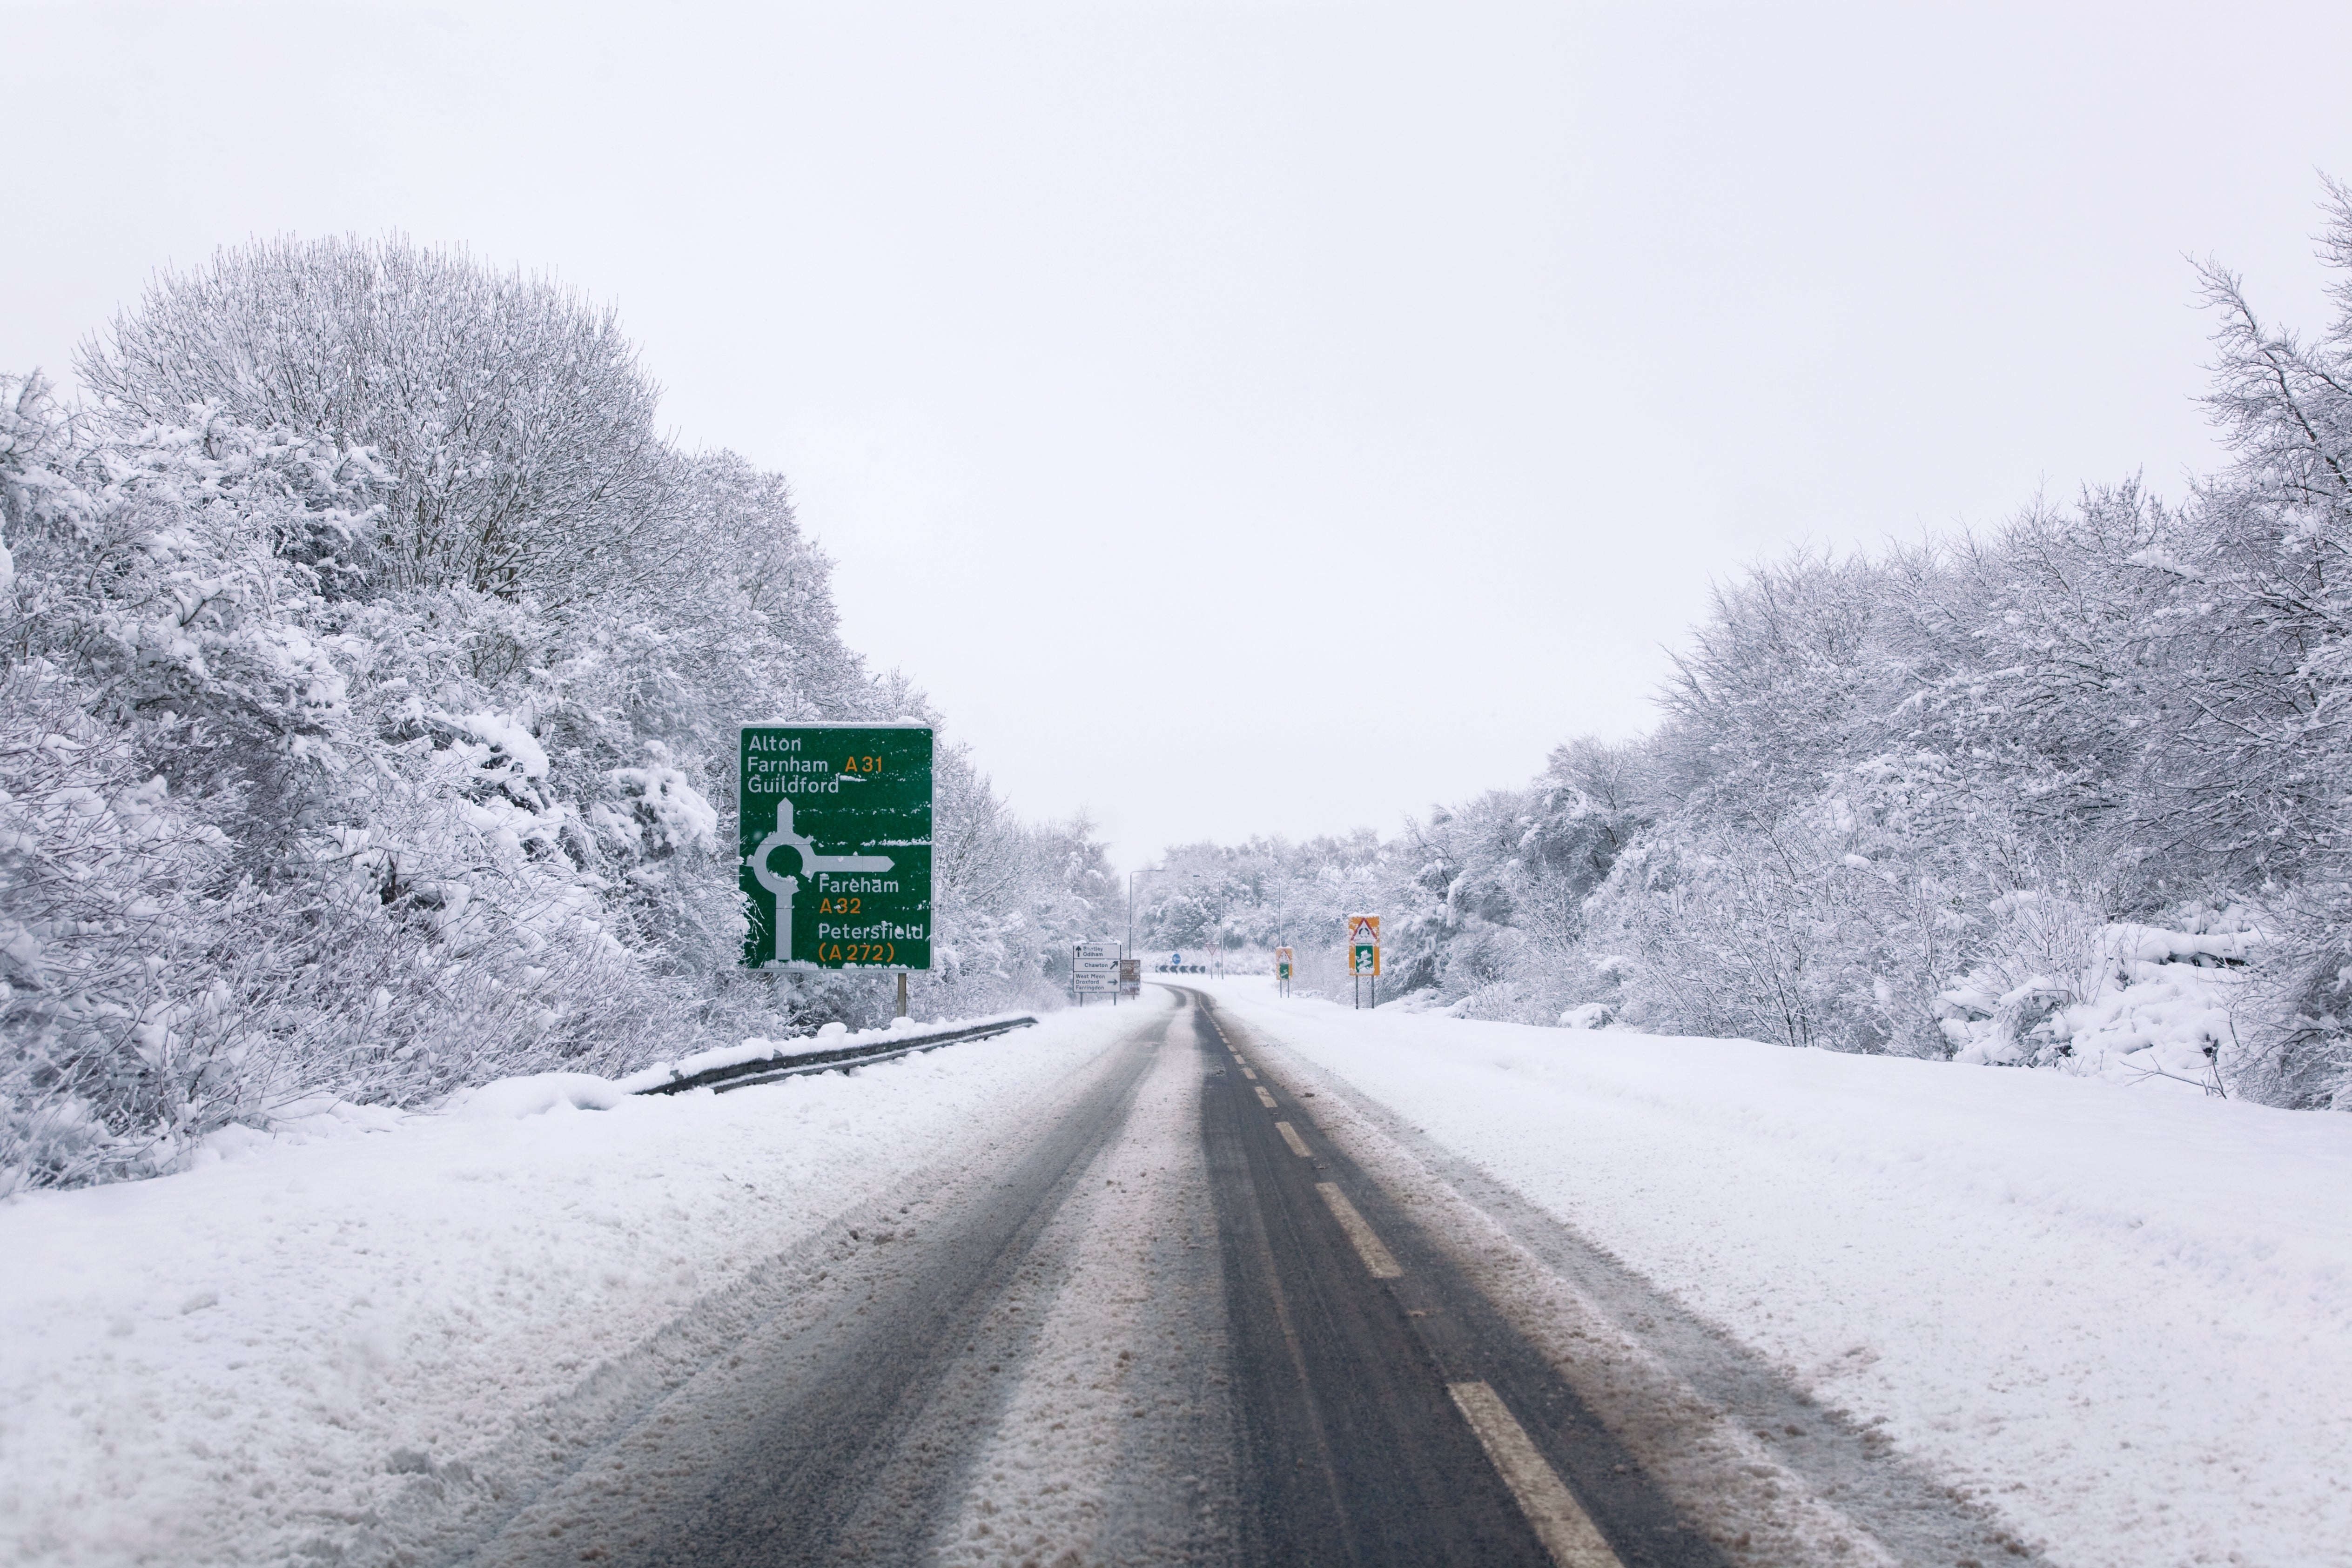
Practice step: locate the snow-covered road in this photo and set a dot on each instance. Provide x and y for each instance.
(318, 1345)
(954, 1377)
(1042, 1298)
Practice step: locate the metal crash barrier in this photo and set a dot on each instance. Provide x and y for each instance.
(784, 1063)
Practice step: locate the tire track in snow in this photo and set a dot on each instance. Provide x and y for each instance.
(1389, 1415)
(1775, 1478)
(838, 1430)
(1117, 1444)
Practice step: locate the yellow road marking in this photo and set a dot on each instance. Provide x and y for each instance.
(1248, 1074)
(1264, 1098)
(1376, 1256)
(1290, 1136)
(1561, 1524)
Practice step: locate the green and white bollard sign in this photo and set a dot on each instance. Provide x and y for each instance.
(834, 824)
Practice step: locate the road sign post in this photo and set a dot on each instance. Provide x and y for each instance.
(1282, 967)
(1094, 972)
(834, 835)
(1364, 954)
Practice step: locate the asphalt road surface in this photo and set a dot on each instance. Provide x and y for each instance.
(1207, 1308)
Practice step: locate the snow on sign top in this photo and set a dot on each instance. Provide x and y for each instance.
(1363, 928)
(834, 825)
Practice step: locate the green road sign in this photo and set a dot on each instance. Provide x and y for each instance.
(836, 836)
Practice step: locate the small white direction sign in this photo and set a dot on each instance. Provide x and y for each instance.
(1094, 968)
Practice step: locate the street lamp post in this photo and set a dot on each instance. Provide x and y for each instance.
(1217, 931)
(1147, 871)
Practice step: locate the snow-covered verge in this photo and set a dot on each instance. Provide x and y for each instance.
(250, 1359)
(2117, 1315)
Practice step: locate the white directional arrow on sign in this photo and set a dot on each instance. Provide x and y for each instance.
(784, 886)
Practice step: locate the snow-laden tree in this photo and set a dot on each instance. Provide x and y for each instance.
(2267, 608)
(2068, 794)
(511, 414)
(369, 677)
(244, 867)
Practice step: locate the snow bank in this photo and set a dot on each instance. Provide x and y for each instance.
(244, 1360)
(2125, 1001)
(538, 1094)
(2121, 1316)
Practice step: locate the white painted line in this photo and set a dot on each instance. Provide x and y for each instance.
(1264, 1098)
(1290, 1136)
(1561, 1524)
(1376, 1257)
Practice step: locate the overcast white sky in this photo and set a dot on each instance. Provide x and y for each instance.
(1270, 418)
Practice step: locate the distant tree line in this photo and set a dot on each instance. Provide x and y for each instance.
(2070, 794)
(369, 664)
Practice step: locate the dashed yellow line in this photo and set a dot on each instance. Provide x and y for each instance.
(1378, 1260)
(1561, 1524)
(1567, 1531)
